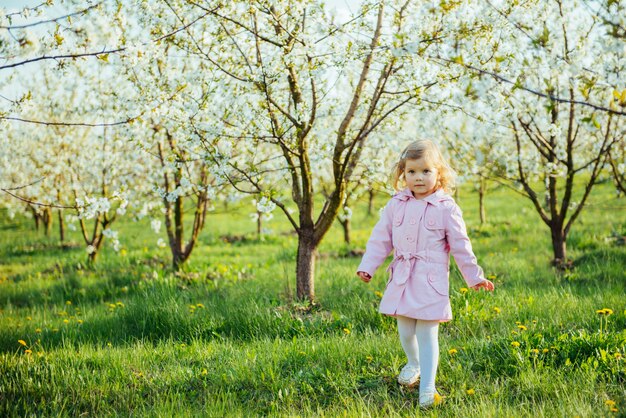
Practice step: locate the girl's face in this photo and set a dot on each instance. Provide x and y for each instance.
(421, 177)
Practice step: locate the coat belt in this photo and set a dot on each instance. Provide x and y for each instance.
(404, 261)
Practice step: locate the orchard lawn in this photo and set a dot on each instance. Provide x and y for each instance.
(226, 338)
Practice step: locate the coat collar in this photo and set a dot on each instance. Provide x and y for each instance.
(434, 199)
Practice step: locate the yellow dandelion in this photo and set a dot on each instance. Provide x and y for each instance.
(497, 310)
(617, 355)
(346, 331)
(613, 409)
(470, 391)
(534, 351)
(605, 311)
(120, 304)
(452, 351)
(369, 359)
(65, 321)
(199, 305)
(522, 327)
(438, 399)
(515, 344)
(514, 332)
(464, 290)
(68, 302)
(545, 350)
(518, 323)
(22, 342)
(80, 321)
(28, 318)
(378, 294)
(28, 352)
(38, 330)
(609, 402)
(204, 372)
(112, 305)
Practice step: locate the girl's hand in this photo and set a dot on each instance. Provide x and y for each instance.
(364, 276)
(485, 284)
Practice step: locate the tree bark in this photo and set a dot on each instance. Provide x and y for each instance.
(346, 230)
(61, 226)
(481, 201)
(559, 246)
(305, 266)
(35, 217)
(47, 219)
(370, 202)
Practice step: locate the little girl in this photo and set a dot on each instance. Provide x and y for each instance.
(423, 224)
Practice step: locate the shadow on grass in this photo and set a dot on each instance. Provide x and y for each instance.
(68, 283)
(162, 310)
(42, 249)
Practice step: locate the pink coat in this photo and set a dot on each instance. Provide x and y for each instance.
(422, 232)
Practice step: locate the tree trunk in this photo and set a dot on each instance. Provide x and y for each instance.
(481, 201)
(346, 230)
(370, 202)
(47, 218)
(61, 226)
(91, 260)
(305, 267)
(259, 225)
(178, 259)
(559, 246)
(35, 217)
(96, 242)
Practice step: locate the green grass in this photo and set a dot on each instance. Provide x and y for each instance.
(122, 337)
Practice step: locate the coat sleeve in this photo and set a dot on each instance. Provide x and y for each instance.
(461, 248)
(380, 243)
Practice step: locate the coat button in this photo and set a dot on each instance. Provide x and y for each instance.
(431, 222)
(410, 239)
(413, 221)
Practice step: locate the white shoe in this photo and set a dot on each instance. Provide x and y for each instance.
(430, 399)
(409, 375)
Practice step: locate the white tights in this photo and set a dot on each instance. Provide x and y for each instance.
(420, 341)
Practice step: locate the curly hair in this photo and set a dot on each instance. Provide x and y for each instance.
(424, 148)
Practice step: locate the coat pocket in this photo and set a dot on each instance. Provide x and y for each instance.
(439, 283)
(433, 219)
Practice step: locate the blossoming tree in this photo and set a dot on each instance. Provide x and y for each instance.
(304, 91)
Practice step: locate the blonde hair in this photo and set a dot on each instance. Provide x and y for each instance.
(424, 148)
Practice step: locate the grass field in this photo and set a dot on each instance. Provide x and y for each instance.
(226, 338)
